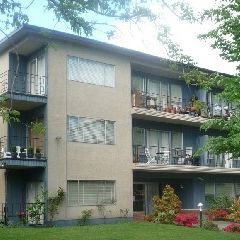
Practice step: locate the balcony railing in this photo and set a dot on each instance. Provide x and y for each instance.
(22, 148)
(23, 83)
(176, 105)
(178, 156)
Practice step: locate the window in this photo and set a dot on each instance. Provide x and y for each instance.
(88, 130)
(92, 72)
(90, 192)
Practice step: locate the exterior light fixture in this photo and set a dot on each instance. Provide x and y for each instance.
(200, 205)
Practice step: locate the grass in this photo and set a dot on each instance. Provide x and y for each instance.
(133, 231)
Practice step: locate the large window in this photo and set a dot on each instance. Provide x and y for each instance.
(88, 130)
(92, 72)
(91, 192)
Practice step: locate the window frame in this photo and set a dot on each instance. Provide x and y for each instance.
(113, 191)
(105, 65)
(81, 138)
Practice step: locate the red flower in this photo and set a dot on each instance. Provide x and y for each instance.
(186, 219)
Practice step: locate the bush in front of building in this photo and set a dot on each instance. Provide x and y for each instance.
(209, 225)
(166, 207)
(219, 207)
(217, 214)
(232, 227)
(186, 219)
(235, 211)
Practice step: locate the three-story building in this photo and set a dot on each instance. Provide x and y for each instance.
(120, 126)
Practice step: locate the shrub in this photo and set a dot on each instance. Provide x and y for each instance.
(86, 214)
(219, 202)
(217, 214)
(167, 206)
(148, 218)
(208, 225)
(186, 219)
(235, 211)
(232, 227)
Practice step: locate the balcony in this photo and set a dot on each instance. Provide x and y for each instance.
(175, 110)
(180, 160)
(23, 88)
(20, 153)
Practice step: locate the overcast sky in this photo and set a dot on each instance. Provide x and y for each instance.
(144, 38)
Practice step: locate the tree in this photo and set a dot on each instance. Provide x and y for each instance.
(79, 14)
(225, 36)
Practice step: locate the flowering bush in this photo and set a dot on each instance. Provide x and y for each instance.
(235, 211)
(167, 206)
(217, 214)
(232, 227)
(186, 219)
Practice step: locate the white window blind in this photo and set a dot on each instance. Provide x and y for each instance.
(91, 192)
(88, 130)
(92, 72)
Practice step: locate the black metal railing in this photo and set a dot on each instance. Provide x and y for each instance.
(15, 213)
(164, 155)
(179, 156)
(23, 83)
(16, 147)
(165, 103)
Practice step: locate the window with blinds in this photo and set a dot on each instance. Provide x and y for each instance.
(92, 72)
(88, 130)
(91, 192)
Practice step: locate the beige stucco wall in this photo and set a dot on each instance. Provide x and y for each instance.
(81, 161)
(4, 66)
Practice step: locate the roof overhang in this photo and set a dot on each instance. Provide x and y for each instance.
(184, 169)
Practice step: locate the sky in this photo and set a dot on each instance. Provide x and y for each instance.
(144, 36)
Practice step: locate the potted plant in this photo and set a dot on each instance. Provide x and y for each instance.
(22, 153)
(14, 152)
(30, 152)
(38, 154)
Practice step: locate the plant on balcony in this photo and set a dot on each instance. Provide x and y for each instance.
(30, 152)
(38, 128)
(14, 152)
(167, 206)
(22, 153)
(38, 153)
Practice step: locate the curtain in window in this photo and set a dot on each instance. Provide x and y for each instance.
(176, 95)
(137, 84)
(138, 136)
(177, 140)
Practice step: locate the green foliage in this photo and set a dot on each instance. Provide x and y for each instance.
(85, 216)
(209, 225)
(219, 202)
(35, 210)
(167, 206)
(54, 203)
(235, 211)
(38, 128)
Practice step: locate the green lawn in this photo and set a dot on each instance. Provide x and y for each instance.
(133, 231)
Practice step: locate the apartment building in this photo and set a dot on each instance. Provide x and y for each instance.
(120, 125)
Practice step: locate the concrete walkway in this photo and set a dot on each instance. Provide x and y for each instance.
(221, 224)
